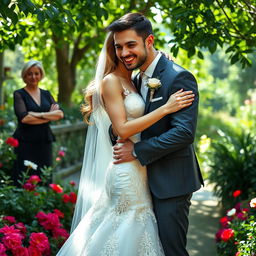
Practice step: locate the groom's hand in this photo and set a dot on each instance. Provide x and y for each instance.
(122, 151)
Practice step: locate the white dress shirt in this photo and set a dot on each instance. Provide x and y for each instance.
(148, 74)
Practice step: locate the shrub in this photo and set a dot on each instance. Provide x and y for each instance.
(233, 164)
(35, 217)
(237, 235)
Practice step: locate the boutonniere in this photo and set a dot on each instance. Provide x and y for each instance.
(153, 84)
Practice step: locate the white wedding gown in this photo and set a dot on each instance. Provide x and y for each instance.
(122, 222)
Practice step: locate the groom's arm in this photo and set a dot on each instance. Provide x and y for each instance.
(182, 126)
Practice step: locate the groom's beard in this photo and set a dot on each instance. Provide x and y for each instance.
(140, 60)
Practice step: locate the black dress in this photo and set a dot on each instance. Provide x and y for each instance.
(35, 140)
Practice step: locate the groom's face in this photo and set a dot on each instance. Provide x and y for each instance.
(130, 49)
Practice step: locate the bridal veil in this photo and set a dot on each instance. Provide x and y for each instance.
(98, 148)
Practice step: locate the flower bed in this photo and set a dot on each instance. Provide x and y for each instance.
(36, 216)
(237, 234)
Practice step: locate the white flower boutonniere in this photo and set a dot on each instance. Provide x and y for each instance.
(153, 84)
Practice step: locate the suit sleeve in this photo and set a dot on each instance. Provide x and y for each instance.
(182, 126)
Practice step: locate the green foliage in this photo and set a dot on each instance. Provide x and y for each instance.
(233, 164)
(208, 24)
(36, 197)
(237, 235)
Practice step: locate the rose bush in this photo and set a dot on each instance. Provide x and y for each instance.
(36, 216)
(237, 233)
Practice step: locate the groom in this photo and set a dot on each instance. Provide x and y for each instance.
(166, 148)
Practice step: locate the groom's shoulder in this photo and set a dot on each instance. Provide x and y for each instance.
(171, 67)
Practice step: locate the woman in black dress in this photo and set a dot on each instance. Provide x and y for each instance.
(34, 108)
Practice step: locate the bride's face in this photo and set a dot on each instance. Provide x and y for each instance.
(130, 49)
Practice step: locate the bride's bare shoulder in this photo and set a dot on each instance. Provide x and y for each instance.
(111, 82)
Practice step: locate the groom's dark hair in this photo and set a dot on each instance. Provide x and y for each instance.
(136, 21)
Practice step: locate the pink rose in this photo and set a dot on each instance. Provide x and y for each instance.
(21, 227)
(61, 153)
(59, 213)
(60, 232)
(12, 240)
(10, 219)
(20, 251)
(41, 216)
(29, 186)
(33, 251)
(34, 179)
(39, 241)
(72, 183)
(2, 250)
(50, 222)
(8, 230)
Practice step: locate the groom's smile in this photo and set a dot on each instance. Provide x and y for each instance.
(130, 49)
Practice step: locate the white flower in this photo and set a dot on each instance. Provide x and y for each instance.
(153, 83)
(231, 212)
(30, 164)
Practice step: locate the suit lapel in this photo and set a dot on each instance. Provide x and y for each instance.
(158, 73)
(137, 82)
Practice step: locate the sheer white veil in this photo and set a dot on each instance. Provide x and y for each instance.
(98, 148)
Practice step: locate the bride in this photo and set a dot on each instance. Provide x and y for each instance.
(113, 214)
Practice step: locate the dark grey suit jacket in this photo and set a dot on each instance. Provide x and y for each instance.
(166, 148)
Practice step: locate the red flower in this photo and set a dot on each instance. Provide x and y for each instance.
(237, 193)
(39, 241)
(10, 219)
(29, 186)
(59, 213)
(72, 183)
(72, 197)
(12, 240)
(20, 251)
(227, 234)
(12, 142)
(33, 251)
(224, 222)
(60, 232)
(243, 214)
(41, 216)
(56, 188)
(9, 230)
(2, 250)
(50, 221)
(65, 198)
(237, 254)
(34, 179)
(1, 165)
(61, 153)
(21, 227)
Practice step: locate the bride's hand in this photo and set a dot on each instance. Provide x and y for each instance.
(178, 100)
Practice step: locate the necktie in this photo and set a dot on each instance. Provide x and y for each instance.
(144, 88)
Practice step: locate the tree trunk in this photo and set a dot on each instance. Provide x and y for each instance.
(66, 72)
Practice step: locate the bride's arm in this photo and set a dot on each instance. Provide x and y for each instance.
(112, 93)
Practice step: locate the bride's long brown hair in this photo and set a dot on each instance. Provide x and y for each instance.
(110, 65)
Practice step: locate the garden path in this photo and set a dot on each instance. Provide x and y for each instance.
(204, 219)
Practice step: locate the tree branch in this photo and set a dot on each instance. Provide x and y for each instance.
(231, 23)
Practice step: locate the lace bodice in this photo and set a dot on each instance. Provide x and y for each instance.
(134, 106)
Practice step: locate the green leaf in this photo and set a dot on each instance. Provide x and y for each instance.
(200, 55)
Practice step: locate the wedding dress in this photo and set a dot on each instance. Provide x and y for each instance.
(121, 222)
